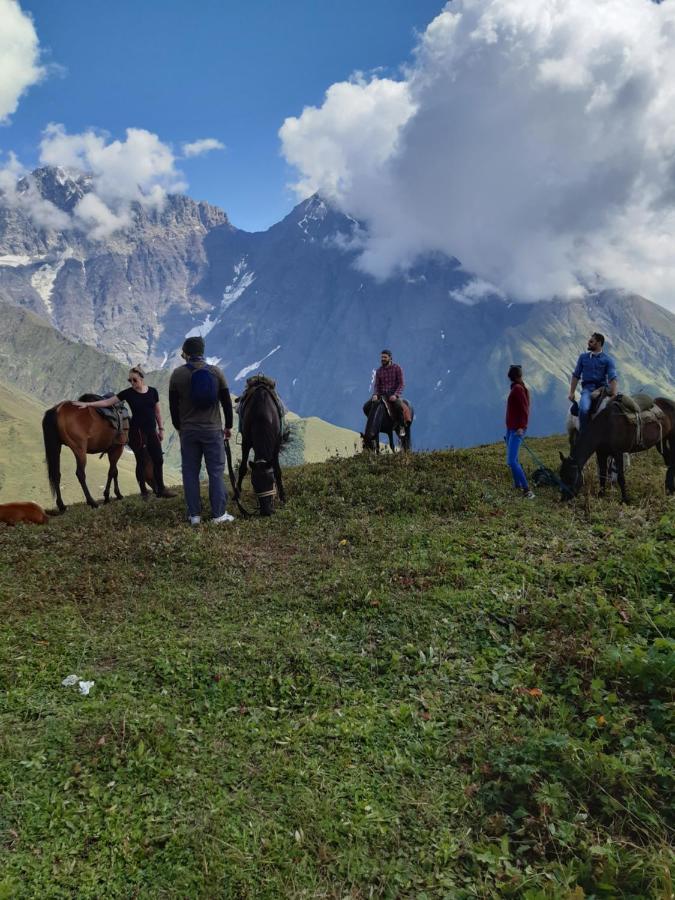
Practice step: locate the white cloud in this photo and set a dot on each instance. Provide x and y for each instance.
(41, 212)
(204, 145)
(139, 169)
(19, 56)
(533, 141)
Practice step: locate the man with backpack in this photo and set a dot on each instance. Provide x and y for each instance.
(197, 392)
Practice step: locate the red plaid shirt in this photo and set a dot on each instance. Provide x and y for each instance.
(389, 381)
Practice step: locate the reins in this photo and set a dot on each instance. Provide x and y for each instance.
(563, 487)
(233, 482)
(235, 491)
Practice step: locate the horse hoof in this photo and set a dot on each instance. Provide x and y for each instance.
(106, 499)
(93, 504)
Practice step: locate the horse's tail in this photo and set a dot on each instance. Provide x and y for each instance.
(52, 439)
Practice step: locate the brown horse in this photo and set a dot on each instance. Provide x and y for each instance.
(84, 431)
(611, 434)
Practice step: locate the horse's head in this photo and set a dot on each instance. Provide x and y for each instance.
(368, 441)
(571, 476)
(262, 479)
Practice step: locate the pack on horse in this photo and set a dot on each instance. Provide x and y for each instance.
(623, 425)
(380, 421)
(84, 431)
(260, 423)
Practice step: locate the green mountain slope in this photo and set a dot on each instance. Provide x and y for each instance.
(409, 682)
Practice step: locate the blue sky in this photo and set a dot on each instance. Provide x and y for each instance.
(215, 68)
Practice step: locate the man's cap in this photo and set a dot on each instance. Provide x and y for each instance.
(194, 346)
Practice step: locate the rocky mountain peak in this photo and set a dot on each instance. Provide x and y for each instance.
(62, 187)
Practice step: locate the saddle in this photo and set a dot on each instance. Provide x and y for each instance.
(252, 385)
(117, 416)
(406, 408)
(639, 410)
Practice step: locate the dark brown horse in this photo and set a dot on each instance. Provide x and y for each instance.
(380, 422)
(611, 434)
(261, 432)
(84, 431)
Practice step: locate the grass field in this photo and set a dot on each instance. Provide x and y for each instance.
(409, 682)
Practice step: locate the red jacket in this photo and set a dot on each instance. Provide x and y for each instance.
(517, 407)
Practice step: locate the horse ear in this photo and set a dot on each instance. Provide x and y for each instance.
(562, 458)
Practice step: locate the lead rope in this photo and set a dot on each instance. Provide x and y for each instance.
(563, 487)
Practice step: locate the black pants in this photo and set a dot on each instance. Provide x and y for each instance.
(140, 442)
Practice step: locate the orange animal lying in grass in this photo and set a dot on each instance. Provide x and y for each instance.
(13, 513)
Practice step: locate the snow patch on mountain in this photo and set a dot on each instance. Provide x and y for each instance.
(42, 280)
(243, 279)
(203, 329)
(248, 369)
(13, 260)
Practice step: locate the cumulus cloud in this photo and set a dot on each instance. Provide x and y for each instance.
(204, 145)
(19, 56)
(140, 169)
(17, 191)
(535, 142)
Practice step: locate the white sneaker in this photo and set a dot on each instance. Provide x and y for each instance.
(195, 520)
(226, 517)
(529, 495)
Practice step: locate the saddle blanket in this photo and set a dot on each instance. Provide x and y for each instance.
(117, 416)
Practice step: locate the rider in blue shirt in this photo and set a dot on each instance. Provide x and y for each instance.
(595, 369)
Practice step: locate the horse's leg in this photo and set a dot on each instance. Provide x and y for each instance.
(669, 459)
(602, 471)
(81, 457)
(390, 435)
(245, 450)
(618, 460)
(113, 458)
(277, 477)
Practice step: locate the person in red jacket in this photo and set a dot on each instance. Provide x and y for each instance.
(517, 416)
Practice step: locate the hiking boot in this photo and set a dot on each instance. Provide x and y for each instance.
(226, 517)
(166, 493)
(528, 495)
(195, 520)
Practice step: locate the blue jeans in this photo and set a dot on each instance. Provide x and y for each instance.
(585, 405)
(196, 443)
(513, 442)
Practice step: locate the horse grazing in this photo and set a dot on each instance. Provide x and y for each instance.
(379, 421)
(29, 513)
(260, 422)
(611, 434)
(84, 431)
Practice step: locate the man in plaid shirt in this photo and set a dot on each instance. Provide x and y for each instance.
(389, 385)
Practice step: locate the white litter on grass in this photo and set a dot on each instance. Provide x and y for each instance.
(83, 686)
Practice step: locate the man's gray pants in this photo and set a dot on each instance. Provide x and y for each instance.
(206, 443)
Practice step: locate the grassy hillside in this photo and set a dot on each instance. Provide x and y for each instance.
(23, 474)
(409, 683)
